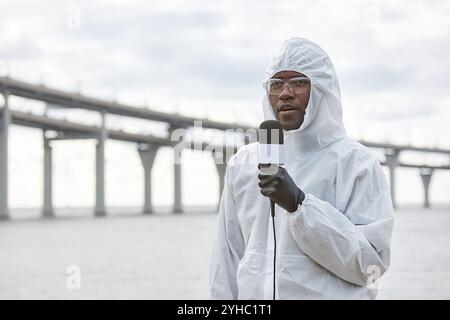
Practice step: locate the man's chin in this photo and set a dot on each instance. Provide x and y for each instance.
(289, 125)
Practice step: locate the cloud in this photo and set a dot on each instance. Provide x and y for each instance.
(375, 77)
(197, 51)
(21, 48)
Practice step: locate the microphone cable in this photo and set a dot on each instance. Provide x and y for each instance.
(272, 213)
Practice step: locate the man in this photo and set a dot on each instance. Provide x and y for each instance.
(334, 212)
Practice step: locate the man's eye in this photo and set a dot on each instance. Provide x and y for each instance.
(299, 83)
(276, 85)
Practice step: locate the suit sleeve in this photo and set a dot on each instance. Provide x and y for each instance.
(228, 248)
(354, 241)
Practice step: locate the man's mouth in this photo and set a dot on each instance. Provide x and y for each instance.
(287, 107)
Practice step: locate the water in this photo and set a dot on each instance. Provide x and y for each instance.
(164, 256)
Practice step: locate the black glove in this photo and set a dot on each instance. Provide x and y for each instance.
(280, 188)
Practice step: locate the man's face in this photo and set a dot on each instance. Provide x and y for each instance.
(289, 105)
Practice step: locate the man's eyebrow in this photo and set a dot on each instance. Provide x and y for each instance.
(295, 76)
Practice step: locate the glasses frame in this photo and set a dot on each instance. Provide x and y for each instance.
(285, 82)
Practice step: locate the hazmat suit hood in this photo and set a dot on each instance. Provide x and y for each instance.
(322, 123)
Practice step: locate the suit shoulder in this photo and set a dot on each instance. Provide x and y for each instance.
(244, 154)
(350, 149)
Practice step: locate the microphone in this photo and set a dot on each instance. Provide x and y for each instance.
(271, 144)
(271, 154)
(270, 149)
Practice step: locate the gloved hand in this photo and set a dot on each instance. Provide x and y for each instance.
(280, 188)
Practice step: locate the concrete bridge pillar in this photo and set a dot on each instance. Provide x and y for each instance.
(221, 169)
(4, 128)
(221, 158)
(177, 205)
(147, 154)
(177, 138)
(100, 209)
(392, 162)
(47, 210)
(426, 174)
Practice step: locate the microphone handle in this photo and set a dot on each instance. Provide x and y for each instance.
(272, 208)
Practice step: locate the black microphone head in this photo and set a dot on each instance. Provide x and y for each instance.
(271, 132)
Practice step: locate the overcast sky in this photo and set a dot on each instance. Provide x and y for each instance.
(208, 58)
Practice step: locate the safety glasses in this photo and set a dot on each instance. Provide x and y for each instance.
(298, 85)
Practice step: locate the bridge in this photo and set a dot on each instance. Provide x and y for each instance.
(147, 145)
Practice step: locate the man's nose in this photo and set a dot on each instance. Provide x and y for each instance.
(286, 93)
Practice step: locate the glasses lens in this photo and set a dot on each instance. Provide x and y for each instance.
(297, 85)
(275, 86)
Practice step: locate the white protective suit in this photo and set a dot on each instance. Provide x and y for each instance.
(338, 240)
